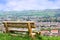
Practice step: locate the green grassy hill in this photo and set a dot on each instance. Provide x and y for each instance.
(47, 12)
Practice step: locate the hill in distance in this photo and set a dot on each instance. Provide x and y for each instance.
(42, 13)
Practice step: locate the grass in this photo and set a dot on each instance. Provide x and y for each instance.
(26, 37)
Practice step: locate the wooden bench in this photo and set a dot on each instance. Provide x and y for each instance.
(19, 24)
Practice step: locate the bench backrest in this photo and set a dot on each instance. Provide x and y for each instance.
(19, 24)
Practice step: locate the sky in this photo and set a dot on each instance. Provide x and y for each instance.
(17, 5)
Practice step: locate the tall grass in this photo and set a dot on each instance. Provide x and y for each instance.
(26, 37)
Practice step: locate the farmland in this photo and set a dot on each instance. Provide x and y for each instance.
(4, 36)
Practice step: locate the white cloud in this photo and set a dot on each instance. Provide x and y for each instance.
(30, 5)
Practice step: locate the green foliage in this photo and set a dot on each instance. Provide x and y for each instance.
(26, 37)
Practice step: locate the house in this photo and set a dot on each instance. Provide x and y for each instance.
(54, 32)
(45, 32)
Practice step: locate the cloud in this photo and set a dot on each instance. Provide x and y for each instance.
(29, 5)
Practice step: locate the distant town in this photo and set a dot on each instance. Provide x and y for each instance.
(49, 24)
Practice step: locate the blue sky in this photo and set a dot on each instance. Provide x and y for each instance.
(7, 5)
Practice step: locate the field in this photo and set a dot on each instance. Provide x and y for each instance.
(9, 37)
